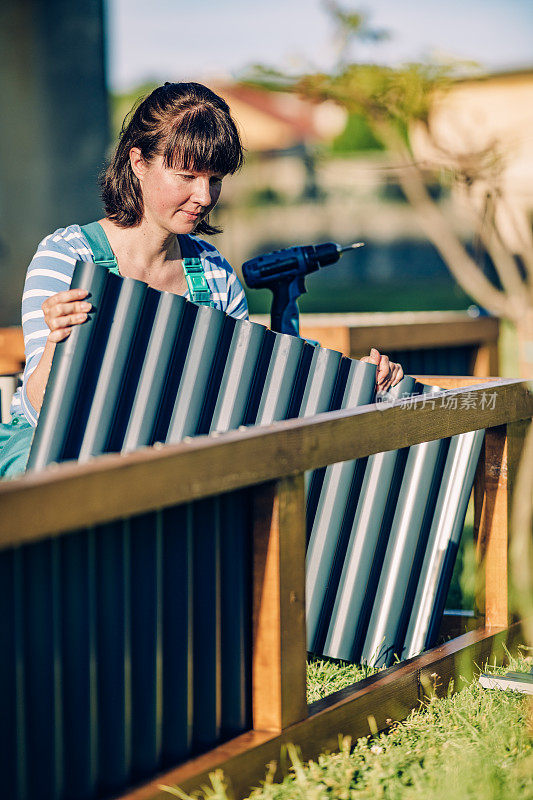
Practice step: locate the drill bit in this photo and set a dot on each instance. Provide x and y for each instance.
(351, 247)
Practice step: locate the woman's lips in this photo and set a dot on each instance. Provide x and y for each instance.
(190, 214)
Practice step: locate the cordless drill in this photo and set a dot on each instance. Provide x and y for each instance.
(283, 272)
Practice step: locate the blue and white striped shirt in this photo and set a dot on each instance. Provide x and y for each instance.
(51, 271)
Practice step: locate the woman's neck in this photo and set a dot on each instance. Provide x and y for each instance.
(143, 251)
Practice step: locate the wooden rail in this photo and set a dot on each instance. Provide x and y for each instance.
(272, 459)
(355, 334)
(12, 356)
(160, 477)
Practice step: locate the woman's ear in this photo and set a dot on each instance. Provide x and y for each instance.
(138, 164)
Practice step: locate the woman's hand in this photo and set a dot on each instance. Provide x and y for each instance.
(63, 310)
(388, 373)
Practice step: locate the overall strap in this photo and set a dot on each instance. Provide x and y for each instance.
(199, 290)
(103, 255)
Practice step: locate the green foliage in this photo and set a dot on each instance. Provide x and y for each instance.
(265, 196)
(382, 94)
(357, 136)
(122, 104)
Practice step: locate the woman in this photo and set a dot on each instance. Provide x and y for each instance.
(164, 179)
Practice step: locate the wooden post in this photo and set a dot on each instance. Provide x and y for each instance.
(492, 507)
(279, 635)
(486, 362)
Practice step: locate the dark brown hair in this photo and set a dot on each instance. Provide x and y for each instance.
(187, 124)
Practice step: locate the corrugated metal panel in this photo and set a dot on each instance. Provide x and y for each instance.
(165, 672)
(443, 542)
(126, 649)
(364, 553)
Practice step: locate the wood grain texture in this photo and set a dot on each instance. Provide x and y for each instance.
(12, 357)
(334, 337)
(386, 696)
(400, 330)
(493, 489)
(67, 497)
(452, 381)
(424, 335)
(279, 634)
(486, 360)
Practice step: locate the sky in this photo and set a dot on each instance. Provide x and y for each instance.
(179, 40)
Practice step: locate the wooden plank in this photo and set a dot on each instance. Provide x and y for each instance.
(405, 330)
(279, 634)
(423, 336)
(67, 497)
(12, 357)
(451, 381)
(390, 695)
(334, 337)
(492, 497)
(486, 360)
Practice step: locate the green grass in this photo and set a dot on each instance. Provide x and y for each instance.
(325, 676)
(473, 745)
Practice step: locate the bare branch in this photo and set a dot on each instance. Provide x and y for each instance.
(524, 235)
(439, 230)
(503, 260)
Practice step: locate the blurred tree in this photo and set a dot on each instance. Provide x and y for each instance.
(397, 103)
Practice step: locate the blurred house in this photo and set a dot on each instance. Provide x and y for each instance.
(282, 127)
(485, 126)
(273, 121)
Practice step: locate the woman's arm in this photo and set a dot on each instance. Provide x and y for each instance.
(49, 276)
(60, 312)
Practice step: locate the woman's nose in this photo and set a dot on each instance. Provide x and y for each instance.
(202, 191)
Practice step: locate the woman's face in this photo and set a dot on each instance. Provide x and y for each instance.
(175, 199)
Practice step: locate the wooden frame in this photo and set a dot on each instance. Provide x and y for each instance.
(12, 355)
(114, 487)
(355, 334)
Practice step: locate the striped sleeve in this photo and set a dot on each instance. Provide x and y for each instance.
(50, 272)
(237, 305)
(226, 289)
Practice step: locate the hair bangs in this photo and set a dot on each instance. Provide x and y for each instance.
(204, 139)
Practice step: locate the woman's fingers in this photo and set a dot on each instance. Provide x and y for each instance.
(59, 334)
(373, 358)
(63, 310)
(388, 373)
(397, 375)
(382, 375)
(66, 321)
(68, 296)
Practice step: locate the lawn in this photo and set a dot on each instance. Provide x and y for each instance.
(474, 745)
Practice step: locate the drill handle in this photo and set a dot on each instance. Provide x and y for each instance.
(285, 314)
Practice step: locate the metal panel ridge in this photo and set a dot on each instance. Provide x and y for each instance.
(161, 368)
(208, 332)
(235, 384)
(346, 628)
(443, 542)
(326, 541)
(71, 360)
(409, 530)
(286, 372)
(128, 317)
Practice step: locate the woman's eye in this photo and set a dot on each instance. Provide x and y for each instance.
(185, 176)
